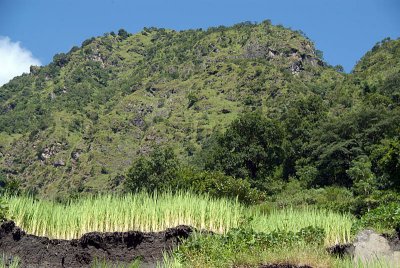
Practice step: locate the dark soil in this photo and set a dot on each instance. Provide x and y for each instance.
(394, 240)
(284, 265)
(340, 250)
(121, 247)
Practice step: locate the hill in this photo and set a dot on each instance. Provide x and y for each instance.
(78, 124)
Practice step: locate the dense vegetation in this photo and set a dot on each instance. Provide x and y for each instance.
(250, 113)
(157, 212)
(77, 124)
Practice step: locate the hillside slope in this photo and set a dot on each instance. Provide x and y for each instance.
(78, 123)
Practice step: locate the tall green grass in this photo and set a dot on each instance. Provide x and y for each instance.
(140, 211)
(337, 226)
(156, 212)
(7, 261)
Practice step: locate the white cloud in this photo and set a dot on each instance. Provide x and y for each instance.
(14, 60)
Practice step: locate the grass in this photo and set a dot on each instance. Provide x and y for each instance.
(337, 226)
(375, 263)
(156, 212)
(312, 256)
(140, 211)
(7, 261)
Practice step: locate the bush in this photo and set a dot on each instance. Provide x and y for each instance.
(251, 147)
(383, 218)
(155, 172)
(161, 171)
(217, 184)
(123, 34)
(223, 250)
(3, 210)
(295, 195)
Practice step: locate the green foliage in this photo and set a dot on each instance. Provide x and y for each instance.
(123, 34)
(383, 218)
(7, 261)
(157, 171)
(61, 59)
(251, 148)
(223, 250)
(193, 98)
(158, 211)
(296, 195)
(387, 159)
(363, 178)
(217, 184)
(202, 93)
(3, 209)
(160, 171)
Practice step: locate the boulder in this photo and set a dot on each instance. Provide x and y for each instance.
(370, 246)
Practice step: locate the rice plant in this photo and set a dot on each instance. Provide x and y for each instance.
(142, 211)
(157, 212)
(337, 226)
(7, 261)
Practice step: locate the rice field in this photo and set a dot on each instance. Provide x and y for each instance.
(156, 212)
(337, 226)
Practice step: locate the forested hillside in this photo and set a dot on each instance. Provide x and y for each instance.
(250, 110)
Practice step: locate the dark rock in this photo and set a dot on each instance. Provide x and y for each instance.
(340, 250)
(76, 154)
(139, 122)
(59, 163)
(369, 246)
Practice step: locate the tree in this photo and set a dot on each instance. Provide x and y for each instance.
(123, 34)
(251, 147)
(153, 172)
(61, 59)
(387, 160)
(364, 182)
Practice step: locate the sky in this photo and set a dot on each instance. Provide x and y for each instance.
(32, 31)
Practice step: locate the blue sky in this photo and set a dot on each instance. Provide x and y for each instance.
(344, 30)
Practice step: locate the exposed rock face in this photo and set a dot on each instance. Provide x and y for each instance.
(52, 150)
(59, 163)
(369, 246)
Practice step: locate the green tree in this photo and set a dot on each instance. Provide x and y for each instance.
(364, 181)
(123, 34)
(387, 160)
(251, 147)
(157, 171)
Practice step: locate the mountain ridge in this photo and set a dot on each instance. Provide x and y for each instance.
(77, 124)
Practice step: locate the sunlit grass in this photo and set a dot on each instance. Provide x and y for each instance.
(7, 261)
(145, 212)
(140, 211)
(337, 226)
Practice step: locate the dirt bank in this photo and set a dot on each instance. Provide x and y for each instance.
(283, 265)
(122, 247)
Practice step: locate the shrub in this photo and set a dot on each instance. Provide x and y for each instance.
(161, 171)
(251, 148)
(223, 250)
(3, 209)
(123, 34)
(217, 184)
(156, 171)
(383, 218)
(295, 195)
